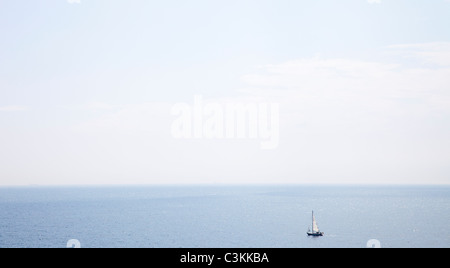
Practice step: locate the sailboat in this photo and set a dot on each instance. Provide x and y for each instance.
(315, 229)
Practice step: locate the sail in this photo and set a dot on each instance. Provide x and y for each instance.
(315, 228)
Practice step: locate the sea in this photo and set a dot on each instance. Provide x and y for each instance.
(214, 216)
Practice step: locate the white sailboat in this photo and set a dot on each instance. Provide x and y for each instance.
(315, 229)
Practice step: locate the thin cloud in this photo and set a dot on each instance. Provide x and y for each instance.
(437, 53)
(13, 108)
(377, 90)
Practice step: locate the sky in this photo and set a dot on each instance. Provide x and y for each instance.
(88, 88)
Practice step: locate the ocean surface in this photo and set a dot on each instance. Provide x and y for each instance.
(225, 216)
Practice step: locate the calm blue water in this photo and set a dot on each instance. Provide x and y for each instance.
(231, 216)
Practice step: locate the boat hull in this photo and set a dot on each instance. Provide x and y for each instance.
(315, 234)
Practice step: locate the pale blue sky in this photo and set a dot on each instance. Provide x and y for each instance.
(72, 77)
(194, 40)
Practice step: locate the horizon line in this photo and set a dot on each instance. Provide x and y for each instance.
(219, 185)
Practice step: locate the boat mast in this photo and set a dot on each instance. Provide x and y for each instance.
(312, 222)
